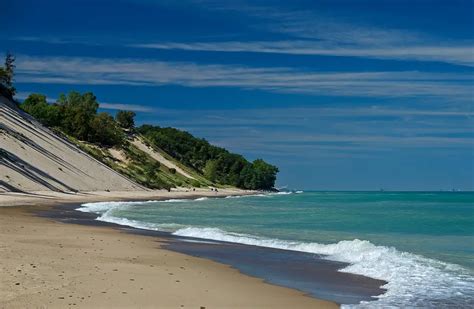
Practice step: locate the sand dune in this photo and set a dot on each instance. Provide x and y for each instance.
(33, 158)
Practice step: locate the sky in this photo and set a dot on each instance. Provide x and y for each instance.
(340, 94)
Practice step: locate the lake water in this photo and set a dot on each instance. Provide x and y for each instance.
(421, 243)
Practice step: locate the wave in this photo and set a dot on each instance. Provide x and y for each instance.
(281, 193)
(201, 199)
(413, 280)
(249, 195)
(98, 207)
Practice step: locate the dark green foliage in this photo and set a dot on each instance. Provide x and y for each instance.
(215, 163)
(76, 115)
(3, 76)
(37, 106)
(7, 74)
(125, 119)
(10, 72)
(210, 170)
(172, 170)
(104, 130)
(78, 110)
(259, 175)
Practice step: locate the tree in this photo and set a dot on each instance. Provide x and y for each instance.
(9, 73)
(37, 106)
(125, 119)
(265, 174)
(104, 130)
(210, 170)
(3, 76)
(78, 110)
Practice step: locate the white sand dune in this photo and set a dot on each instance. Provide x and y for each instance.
(33, 158)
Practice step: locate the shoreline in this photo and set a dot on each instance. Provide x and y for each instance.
(308, 273)
(52, 264)
(51, 198)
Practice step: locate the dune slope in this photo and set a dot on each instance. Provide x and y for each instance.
(33, 158)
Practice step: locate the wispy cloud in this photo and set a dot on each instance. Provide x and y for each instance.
(314, 33)
(74, 70)
(305, 32)
(129, 107)
(458, 54)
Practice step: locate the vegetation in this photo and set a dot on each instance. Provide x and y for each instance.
(76, 115)
(37, 106)
(125, 119)
(215, 163)
(7, 73)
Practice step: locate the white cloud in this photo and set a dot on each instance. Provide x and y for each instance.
(75, 70)
(457, 54)
(316, 33)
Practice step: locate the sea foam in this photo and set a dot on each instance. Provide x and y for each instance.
(412, 280)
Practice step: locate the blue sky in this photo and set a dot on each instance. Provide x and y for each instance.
(341, 95)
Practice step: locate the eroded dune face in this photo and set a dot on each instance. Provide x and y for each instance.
(33, 158)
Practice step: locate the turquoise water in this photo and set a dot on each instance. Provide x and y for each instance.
(422, 243)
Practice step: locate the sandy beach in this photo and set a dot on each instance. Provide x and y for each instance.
(55, 198)
(48, 264)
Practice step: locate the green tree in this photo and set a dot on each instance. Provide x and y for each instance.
(3, 76)
(10, 72)
(105, 131)
(210, 170)
(37, 106)
(78, 110)
(7, 73)
(125, 119)
(265, 174)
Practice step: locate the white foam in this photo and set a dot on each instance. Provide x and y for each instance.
(201, 199)
(299, 192)
(173, 200)
(100, 207)
(413, 280)
(248, 195)
(282, 193)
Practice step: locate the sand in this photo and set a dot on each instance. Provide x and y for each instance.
(54, 198)
(47, 264)
(33, 158)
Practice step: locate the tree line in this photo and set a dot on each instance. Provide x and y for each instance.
(215, 163)
(76, 114)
